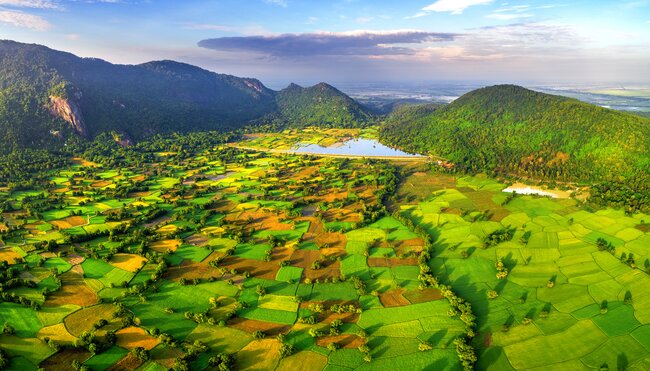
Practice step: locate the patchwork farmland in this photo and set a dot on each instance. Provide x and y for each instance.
(232, 258)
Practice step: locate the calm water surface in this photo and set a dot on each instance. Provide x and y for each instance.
(354, 147)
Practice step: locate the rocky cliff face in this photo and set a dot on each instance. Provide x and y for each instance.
(70, 112)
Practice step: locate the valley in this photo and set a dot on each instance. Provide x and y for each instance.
(221, 257)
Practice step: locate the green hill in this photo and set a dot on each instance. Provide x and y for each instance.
(320, 105)
(47, 96)
(508, 129)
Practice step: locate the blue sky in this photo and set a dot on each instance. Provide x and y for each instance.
(278, 41)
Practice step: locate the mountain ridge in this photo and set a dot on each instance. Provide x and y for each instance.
(47, 95)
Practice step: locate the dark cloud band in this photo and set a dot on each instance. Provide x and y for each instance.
(314, 44)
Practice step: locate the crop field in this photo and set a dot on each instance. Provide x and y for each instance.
(265, 257)
(285, 262)
(575, 291)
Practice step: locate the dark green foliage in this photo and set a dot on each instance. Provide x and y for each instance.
(507, 129)
(498, 236)
(320, 105)
(46, 96)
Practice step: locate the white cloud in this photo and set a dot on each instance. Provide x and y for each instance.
(37, 4)
(453, 6)
(73, 36)
(23, 20)
(508, 16)
(282, 3)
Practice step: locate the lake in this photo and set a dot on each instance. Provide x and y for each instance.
(354, 147)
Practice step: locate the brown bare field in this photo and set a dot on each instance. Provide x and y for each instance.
(272, 222)
(259, 355)
(197, 240)
(58, 333)
(421, 296)
(251, 325)
(165, 355)
(101, 184)
(139, 194)
(259, 269)
(328, 317)
(643, 227)
(83, 320)
(162, 219)
(335, 196)
(348, 341)
(73, 291)
(75, 259)
(163, 246)
(190, 270)
(132, 337)
(9, 255)
(61, 224)
(331, 239)
(305, 258)
(129, 362)
(62, 360)
(393, 298)
(128, 262)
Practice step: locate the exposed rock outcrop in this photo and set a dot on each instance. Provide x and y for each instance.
(70, 112)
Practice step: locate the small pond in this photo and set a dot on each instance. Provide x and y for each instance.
(354, 147)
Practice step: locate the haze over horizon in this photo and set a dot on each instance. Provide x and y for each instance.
(279, 41)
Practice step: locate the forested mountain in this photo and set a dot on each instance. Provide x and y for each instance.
(512, 130)
(322, 105)
(46, 95)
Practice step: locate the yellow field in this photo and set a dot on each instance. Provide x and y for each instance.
(58, 333)
(165, 245)
(259, 355)
(132, 337)
(128, 262)
(83, 320)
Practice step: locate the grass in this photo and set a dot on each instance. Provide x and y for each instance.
(31, 350)
(577, 341)
(24, 320)
(225, 339)
(106, 359)
(269, 315)
(289, 274)
(94, 268)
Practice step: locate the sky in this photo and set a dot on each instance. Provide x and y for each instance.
(560, 42)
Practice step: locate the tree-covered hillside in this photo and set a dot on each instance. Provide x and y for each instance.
(47, 95)
(320, 105)
(508, 129)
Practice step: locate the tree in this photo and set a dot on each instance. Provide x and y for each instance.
(140, 353)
